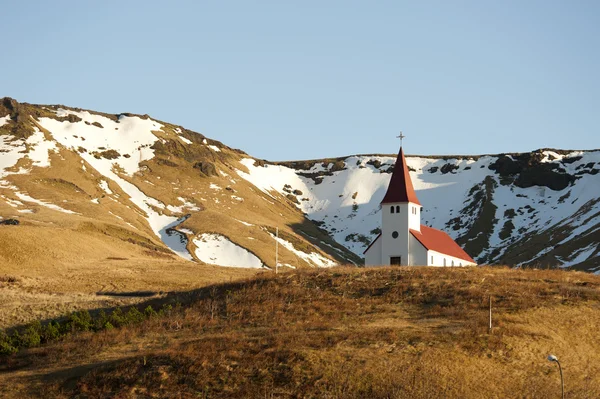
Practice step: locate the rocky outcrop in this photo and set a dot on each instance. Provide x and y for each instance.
(527, 170)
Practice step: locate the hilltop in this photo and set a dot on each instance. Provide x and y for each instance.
(379, 333)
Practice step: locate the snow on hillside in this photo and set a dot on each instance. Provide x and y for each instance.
(130, 138)
(4, 120)
(346, 202)
(313, 258)
(217, 250)
(478, 200)
(11, 151)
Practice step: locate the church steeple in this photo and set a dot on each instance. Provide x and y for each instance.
(400, 188)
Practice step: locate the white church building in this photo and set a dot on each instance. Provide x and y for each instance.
(403, 239)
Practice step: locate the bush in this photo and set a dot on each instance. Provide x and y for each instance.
(6, 344)
(149, 312)
(36, 333)
(50, 332)
(30, 337)
(79, 321)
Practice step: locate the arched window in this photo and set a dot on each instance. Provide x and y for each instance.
(444, 261)
(460, 264)
(432, 259)
(452, 263)
(392, 208)
(397, 208)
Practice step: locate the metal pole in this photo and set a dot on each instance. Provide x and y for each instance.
(562, 382)
(490, 313)
(276, 249)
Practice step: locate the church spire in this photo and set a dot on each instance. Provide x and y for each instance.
(400, 188)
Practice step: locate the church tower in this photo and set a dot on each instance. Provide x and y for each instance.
(403, 240)
(400, 212)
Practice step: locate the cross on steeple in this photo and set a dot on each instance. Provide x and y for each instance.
(401, 137)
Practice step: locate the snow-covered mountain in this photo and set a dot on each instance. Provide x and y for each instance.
(540, 208)
(167, 191)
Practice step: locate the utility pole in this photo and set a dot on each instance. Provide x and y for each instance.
(276, 249)
(490, 313)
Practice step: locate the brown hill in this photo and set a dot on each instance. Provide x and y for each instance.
(385, 333)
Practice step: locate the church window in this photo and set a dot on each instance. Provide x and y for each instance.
(432, 260)
(397, 208)
(395, 260)
(452, 263)
(395, 234)
(460, 264)
(392, 208)
(444, 261)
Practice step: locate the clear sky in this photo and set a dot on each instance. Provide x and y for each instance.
(287, 80)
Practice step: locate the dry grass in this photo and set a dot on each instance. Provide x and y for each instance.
(384, 333)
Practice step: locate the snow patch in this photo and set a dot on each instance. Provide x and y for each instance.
(39, 154)
(130, 136)
(582, 254)
(104, 186)
(244, 223)
(217, 250)
(313, 258)
(27, 198)
(4, 120)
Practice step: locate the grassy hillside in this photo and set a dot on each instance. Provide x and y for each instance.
(352, 333)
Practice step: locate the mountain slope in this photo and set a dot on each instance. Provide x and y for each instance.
(155, 184)
(540, 208)
(163, 191)
(99, 210)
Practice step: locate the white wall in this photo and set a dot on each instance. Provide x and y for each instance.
(390, 222)
(400, 222)
(438, 260)
(418, 253)
(373, 255)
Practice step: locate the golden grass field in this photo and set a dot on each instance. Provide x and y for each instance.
(408, 332)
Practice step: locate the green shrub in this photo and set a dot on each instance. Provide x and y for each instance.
(50, 332)
(134, 316)
(6, 348)
(6, 344)
(149, 312)
(31, 336)
(117, 318)
(35, 333)
(101, 320)
(79, 321)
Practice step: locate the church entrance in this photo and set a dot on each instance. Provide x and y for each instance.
(396, 260)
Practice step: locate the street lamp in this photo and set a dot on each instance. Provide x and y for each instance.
(553, 358)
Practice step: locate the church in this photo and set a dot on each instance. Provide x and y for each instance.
(403, 239)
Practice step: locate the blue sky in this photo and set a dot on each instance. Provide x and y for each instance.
(289, 80)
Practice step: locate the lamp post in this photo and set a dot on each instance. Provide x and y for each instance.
(553, 358)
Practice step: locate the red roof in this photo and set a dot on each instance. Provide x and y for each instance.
(437, 240)
(371, 244)
(400, 188)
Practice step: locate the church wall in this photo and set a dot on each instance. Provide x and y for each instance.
(373, 255)
(438, 260)
(390, 223)
(414, 216)
(418, 253)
